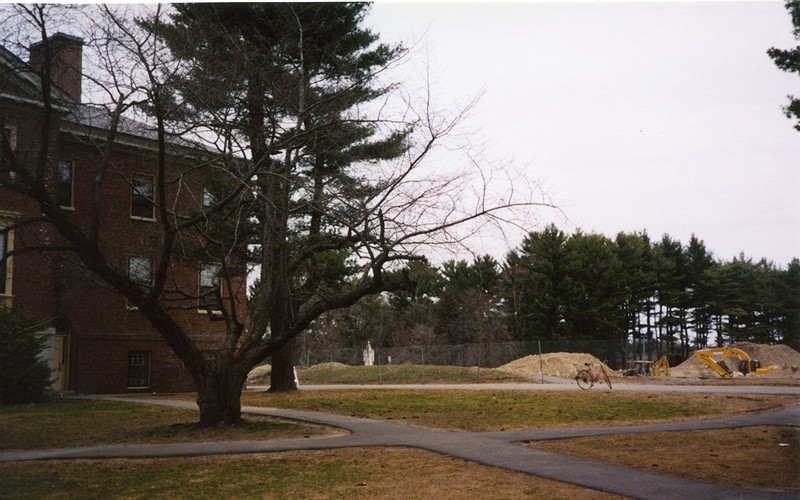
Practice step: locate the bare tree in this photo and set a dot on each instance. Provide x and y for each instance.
(250, 146)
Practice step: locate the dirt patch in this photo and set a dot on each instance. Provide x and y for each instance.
(755, 457)
(555, 364)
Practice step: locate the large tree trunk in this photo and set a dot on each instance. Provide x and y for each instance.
(219, 398)
(282, 375)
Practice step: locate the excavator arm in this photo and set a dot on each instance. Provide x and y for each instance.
(745, 364)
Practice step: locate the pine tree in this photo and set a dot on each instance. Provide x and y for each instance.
(789, 60)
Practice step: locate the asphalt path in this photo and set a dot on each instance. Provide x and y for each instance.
(496, 449)
(553, 384)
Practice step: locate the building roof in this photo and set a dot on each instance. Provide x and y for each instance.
(83, 117)
(28, 81)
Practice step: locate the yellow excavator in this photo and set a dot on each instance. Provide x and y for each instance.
(661, 367)
(654, 368)
(745, 364)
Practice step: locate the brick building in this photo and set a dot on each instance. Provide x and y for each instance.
(97, 342)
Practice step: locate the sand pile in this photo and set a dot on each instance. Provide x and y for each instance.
(259, 375)
(555, 364)
(691, 368)
(784, 357)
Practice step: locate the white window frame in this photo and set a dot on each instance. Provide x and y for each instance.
(208, 198)
(6, 291)
(205, 283)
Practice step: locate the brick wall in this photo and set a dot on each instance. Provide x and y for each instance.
(103, 329)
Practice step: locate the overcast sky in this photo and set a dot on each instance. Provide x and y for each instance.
(657, 117)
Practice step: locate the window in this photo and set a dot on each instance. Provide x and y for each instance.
(208, 283)
(65, 184)
(10, 135)
(6, 262)
(208, 198)
(138, 369)
(142, 196)
(140, 271)
(3, 262)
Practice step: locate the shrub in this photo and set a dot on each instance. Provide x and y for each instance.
(23, 375)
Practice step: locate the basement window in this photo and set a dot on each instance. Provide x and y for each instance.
(138, 369)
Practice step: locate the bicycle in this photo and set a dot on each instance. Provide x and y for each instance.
(587, 377)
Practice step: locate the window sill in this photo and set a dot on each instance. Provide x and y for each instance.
(212, 313)
(6, 300)
(145, 219)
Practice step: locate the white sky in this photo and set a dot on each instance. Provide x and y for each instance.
(664, 117)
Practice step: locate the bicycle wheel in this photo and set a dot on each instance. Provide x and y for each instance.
(584, 379)
(608, 380)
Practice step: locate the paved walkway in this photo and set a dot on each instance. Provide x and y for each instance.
(560, 384)
(497, 449)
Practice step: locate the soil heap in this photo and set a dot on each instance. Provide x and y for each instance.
(259, 375)
(554, 364)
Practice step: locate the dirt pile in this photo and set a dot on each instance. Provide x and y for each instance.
(259, 375)
(555, 364)
(786, 359)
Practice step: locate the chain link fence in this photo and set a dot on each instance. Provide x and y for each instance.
(483, 355)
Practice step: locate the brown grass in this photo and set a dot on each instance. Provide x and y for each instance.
(68, 423)
(386, 473)
(754, 457)
(507, 410)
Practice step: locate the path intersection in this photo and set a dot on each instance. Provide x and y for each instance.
(496, 449)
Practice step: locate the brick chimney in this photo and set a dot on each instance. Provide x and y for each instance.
(66, 62)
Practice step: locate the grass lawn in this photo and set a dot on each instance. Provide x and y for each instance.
(351, 473)
(506, 410)
(63, 423)
(384, 472)
(402, 374)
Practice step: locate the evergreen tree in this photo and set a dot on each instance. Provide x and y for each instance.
(469, 310)
(789, 292)
(596, 309)
(23, 374)
(634, 252)
(672, 279)
(542, 286)
(305, 67)
(700, 290)
(789, 60)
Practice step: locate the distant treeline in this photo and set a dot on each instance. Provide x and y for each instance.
(639, 296)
